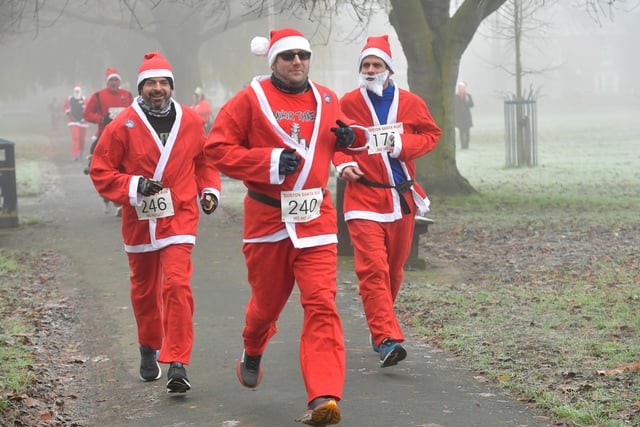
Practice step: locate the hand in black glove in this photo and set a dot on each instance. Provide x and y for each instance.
(209, 203)
(344, 135)
(149, 187)
(288, 161)
(106, 119)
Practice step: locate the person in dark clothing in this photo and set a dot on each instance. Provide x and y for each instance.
(462, 119)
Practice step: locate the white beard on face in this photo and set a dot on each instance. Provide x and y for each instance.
(377, 84)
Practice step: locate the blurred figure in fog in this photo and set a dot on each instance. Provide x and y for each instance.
(102, 107)
(74, 109)
(462, 117)
(54, 113)
(203, 108)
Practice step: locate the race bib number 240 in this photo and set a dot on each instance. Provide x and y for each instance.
(301, 205)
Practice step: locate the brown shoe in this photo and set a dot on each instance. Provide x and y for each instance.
(322, 411)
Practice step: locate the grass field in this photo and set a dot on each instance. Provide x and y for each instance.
(534, 281)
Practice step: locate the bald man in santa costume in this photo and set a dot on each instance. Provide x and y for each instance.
(381, 197)
(150, 160)
(278, 136)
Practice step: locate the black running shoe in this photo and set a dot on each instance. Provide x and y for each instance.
(391, 352)
(178, 381)
(249, 370)
(322, 411)
(149, 368)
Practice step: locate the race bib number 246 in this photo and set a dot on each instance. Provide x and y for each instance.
(159, 205)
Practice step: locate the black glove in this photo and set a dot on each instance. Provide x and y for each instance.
(288, 161)
(106, 119)
(149, 187)
(344, 135)
(209, 203)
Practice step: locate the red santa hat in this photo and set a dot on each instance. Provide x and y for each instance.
(154, 65)
(281, 41)
(112, 72)
(378, 46)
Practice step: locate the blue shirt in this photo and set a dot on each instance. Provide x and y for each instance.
(382, 105)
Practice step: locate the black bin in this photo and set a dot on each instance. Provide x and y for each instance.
(8, 190)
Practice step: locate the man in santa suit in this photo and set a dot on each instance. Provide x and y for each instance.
(278, 135)
(150, 160)
(381, 197)
(74, 110)
(102, 107)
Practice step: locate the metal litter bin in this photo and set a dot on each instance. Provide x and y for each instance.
(8, 189)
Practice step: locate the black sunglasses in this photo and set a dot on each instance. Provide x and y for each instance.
(288, 56)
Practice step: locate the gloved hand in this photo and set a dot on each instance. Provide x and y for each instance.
(288, 161)
(149, 187)
(106, 119)
(344, 135)
(209, 203)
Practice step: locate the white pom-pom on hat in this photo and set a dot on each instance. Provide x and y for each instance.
(260, 46)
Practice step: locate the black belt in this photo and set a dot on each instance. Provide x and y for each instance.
(266, 199)
(401, 188)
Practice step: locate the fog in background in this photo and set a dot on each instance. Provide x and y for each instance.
(583, 64)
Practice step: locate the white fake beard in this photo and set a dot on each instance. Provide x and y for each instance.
(377, 84)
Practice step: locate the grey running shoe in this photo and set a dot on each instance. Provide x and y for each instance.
(149, 368)
(249, 370)
(178, 381)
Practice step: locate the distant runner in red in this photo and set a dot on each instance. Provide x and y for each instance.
(74, 110)
(102, 107)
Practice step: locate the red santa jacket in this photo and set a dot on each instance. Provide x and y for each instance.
(104, 102)
(129, 149)
(246, 142)
(420, 135)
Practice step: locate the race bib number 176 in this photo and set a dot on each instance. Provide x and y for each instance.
(380, 141)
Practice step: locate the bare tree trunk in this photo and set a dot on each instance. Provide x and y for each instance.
(433, 44)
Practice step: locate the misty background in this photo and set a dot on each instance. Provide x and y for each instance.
(574, 63)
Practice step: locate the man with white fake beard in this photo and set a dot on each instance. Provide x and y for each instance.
(381, 197)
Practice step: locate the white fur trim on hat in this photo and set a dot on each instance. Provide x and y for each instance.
(380, 54)
(158, 72)
(288, 43)
(112, 75)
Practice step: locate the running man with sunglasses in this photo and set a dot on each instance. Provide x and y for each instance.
(278, 136)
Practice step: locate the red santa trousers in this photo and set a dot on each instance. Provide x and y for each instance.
(78, 135)
(162, 301)
(272, 270)
(380, 252)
